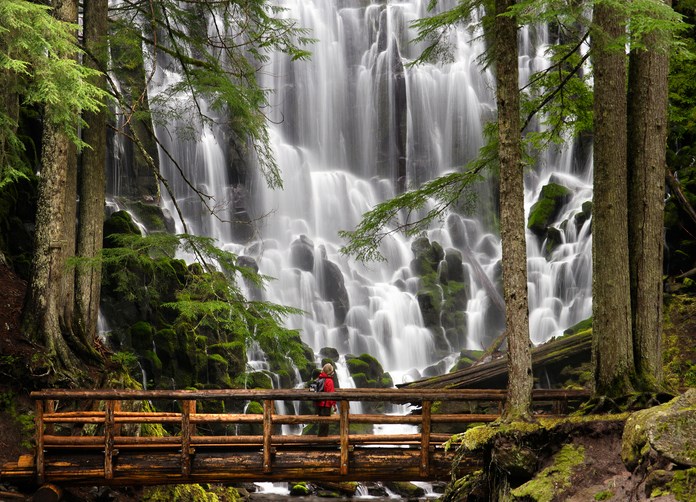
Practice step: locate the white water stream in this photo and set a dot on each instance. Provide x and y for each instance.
(350, 126)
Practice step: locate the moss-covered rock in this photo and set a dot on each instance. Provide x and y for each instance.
(427, 256)
(188, 493)
(442, 295)
(467, 358)
(552, 481)
(554, 238)
(668, 429)
(683, 485)
(218, 371)
(405, 489)
(301, 489)
(469, 487)
(368, 369)
(119, 222)
(551, 199)
(679, 350)
(583, 215)
(234, 354)
(152, 217)
(142, 336)
(258, 380)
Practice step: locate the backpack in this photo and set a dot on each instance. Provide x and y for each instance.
(317, 385)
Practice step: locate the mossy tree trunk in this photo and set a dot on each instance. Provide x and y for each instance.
(92, 183)
(44, 313)
(611, 303)
(512, 224)
(647, 142)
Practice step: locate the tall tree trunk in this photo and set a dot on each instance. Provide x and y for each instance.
(611, 303)
(92, 183)
(512, 225)
(43, 314)
(69, 209)
(647, 143)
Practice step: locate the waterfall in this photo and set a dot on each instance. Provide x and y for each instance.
(354, 125)
(350, 128)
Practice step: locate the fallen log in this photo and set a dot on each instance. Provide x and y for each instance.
(493, 373)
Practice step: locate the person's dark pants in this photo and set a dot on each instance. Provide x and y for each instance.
(323, 411)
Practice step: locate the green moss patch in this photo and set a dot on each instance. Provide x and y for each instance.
(186, 493)
(554, 479)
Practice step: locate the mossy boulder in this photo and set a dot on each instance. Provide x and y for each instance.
(252, 408)
(405, 489)
(234, 353)
(455, 265)
(181, 493)
(332, 288)
(300, 489)
(545, 210)
(152, 365)
(554, 238)
(329, 353)
(442, 295)
(469, 487)
(258, 380)
(683, 485)
(152, 216)
(141, 336)
(466, 359)
(218, 371)
(367, 372)
(552, 481)
(166, 345)
(366, 367)
(579, 327)
(119, 222)
(668, 429)
(584, 214)
(426, 256)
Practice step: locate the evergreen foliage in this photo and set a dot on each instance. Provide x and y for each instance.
(203, 300)
(216, 64)
(30, 40)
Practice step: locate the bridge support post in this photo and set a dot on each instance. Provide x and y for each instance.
(344, 426)
(425, 439)
(187, 408)
(40, 465)
(109, 425)
(267, 434)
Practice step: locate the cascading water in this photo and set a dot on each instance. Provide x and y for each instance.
(350, 128)
(353, 126)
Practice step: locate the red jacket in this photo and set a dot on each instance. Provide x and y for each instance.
(328, 387)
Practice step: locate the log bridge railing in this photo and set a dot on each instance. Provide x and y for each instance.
(113, 455)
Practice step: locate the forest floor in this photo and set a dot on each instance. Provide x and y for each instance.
(12, 348)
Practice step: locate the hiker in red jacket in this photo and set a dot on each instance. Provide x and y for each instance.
(324, 407)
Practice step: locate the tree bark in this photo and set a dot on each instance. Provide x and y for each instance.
(44, 311)
(611, 303)
(647, 142)
(92, 183)
(512, 224)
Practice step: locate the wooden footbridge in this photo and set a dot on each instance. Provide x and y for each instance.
(106, 437)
